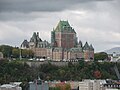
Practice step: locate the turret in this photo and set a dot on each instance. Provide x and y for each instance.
(80, 44)
(86, 46)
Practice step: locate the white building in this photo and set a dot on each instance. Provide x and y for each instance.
(91, 85)
(85, 86)
(10, 87)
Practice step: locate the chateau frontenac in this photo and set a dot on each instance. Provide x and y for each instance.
(64, 45)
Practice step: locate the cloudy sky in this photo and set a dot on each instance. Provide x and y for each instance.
(95, 21)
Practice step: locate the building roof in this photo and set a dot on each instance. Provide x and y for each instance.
(64, 26)
(86, 46)
(91, 47)
(75, 49)
(43, 44)
(35, 38)
(58, 49)
(25, 43)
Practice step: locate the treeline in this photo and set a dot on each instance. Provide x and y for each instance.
(15, 52)
(11, 71)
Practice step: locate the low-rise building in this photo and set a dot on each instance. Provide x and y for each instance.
(10, 87)
(112, 86)
(91, 85)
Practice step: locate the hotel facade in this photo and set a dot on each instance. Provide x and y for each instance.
(64, 45)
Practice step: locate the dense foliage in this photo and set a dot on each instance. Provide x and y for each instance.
(14, 52)
(100, 56)
(19, 71)
(79, 71)
(11, 71)
(6, 50)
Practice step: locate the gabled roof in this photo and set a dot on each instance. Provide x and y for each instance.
(25, 43)
(35, 38)
(86, 46)
(91, 47)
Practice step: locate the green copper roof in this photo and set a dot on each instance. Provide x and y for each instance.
(64, 26)
(64, 23)
(75, 49)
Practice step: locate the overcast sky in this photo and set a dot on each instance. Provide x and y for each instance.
(95, 21)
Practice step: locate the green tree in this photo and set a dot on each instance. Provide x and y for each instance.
(27, 53)
(6, 50)
(100, 56)
(67, 87)
(15, 52)
(31, 53)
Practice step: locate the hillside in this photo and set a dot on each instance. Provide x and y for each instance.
(115, 49)
(17, 71)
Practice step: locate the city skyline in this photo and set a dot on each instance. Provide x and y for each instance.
(95, 21)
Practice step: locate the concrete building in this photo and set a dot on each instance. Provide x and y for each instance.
(91, 85)
(64, 45)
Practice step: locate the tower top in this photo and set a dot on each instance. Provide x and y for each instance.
(64, 26)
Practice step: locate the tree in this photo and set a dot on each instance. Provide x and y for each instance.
(31, 53)
(6, 50)
(100, 56)
(97, 74)
(27, 53)
(15, 52)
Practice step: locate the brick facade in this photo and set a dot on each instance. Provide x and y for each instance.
(64, 45)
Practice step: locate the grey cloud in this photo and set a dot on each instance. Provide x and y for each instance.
(113, 42)
(39, 5)
(16, 10)
(17, 16)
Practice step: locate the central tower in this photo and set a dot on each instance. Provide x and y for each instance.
(63, 36)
